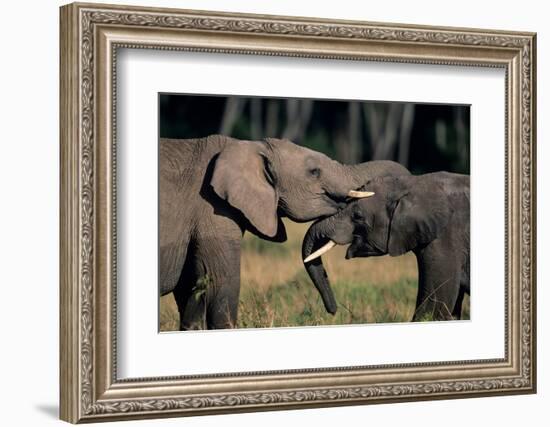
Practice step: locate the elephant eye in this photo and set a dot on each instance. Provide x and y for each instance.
(357, 216)
(316, 172)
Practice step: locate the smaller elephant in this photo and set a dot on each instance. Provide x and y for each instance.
(427, 214)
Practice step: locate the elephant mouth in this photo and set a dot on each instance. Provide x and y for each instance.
(334, 201)
(358, 249)
(339, 202)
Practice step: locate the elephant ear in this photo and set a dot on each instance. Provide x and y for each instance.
(241, 177)
(418, 218)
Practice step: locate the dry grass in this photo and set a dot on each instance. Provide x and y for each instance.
(275, 266)
(275, 289)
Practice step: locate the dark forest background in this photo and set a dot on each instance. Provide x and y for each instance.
(423, 137)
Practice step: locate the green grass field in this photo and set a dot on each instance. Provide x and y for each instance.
(276, 291)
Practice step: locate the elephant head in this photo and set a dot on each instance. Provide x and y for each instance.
(405, 213)
(269, 179)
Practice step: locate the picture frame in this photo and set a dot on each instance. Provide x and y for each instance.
(91, 36)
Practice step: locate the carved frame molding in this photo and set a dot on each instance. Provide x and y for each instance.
(90, 37)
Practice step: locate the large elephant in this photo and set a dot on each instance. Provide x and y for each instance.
(213, 189)
(427, 214)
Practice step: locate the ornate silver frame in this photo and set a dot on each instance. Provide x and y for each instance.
(90, 36)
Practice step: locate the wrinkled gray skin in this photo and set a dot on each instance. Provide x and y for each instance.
(427, 214)
(213, 189)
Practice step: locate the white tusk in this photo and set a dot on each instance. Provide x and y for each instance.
(360, 194)
(320, 251)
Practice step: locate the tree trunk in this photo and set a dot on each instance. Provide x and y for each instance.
(405, 134)
(272, 118)
(386, 146)
(233, 108)
(354, 133)
(298, 114)
(256, 118)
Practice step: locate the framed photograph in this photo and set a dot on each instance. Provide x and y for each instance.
(267, 212)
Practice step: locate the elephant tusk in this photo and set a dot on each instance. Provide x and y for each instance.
(320, 251)
(360, 194)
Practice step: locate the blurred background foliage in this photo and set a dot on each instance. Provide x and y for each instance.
(423, 137)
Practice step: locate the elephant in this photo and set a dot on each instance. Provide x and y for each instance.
(426, 214)
(213, 189)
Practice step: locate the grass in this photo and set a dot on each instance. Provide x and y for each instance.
(298, 303)
(276, 291)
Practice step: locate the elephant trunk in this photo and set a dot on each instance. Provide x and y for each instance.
(315, 238)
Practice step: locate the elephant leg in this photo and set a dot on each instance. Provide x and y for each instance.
(207, 294)
(223, 308)
(435, 303)
(192, 312)
(457, 311)
(191, 304)
(223, 298)
(438, 287)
